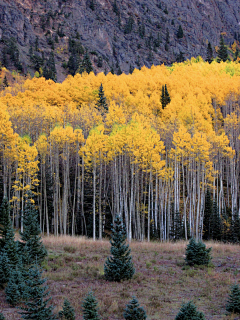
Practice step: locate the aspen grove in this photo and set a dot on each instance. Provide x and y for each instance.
(134, 158)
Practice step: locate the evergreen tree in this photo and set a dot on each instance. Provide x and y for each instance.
(207, 215)
(209, 53)
(102, 101)
(5, 222)
(49, 70)
(5, 82)
(178, 227)
(189, 311)
(4, 268)
(86, 63)
(222, 51)
(36, 303)
(197, 254)
(216, 223)
(180, 32)
(119, 266)
(31, 236)
(134, 312)
(112, 70)
(235, 227)
(90, 310)
(2, 316)
(68, 312)
(236, 55)
(180, 57)
(73, 64)
(131, 69)
(11, 248)
(165, 97)
(15, 289)
(233, 304)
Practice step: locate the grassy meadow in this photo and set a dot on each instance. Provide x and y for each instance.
(161, 283)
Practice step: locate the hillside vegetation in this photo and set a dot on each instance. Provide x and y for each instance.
(87, 159)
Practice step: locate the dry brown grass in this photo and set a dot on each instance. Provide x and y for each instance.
(161, 282)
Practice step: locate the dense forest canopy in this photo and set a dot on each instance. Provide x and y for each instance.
(151, 163)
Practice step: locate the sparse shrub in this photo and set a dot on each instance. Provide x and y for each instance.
(233, 304)
(90, 310)
(68, 312)
(197, 254)
(70, 249)
(119, 266)
(134, 312)
(189, 311)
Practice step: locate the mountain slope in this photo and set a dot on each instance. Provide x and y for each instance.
(116, 33)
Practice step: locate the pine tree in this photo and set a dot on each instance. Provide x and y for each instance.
(4, 268)
(165, 97)
(5, 222)
(2, 316)
(90, 310)
(15, 289)
(31, 236)
(134, 312)
(216, 223)
(86, 63)
(207, 215)
(49, 70)
(180, 32)
(235, 227)
(209, 53)
(68, 312)
(119, 266)
(131, 69)
(189, 311)
(178, 227)
(36, 303)
(236, 55)
(233, 304)
(222, 51)
(11, 248)
(5, 82)
(197, 254)
(102, 101)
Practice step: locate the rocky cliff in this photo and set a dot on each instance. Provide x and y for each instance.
(116, 33)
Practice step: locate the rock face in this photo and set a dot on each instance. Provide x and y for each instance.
(122, 32)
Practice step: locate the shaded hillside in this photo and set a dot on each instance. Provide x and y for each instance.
(117, 34)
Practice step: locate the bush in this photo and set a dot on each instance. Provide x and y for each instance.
(197, 254)
(233, 304)
(189, 311)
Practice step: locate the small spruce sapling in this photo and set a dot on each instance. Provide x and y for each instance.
(37, 301)
(68, 312)
(119, 266)
(197, 254)
(134, 312)
(189, 311)
(233, 304)
(90, 310)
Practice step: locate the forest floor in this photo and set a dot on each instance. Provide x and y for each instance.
(161, 283)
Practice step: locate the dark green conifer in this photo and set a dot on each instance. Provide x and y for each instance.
(236, 55)
(15, 289)
(49, 70)
(197, 254)
(209, 53)
(68, 312)
(189, 311)
(31, 235)
(207, 215)
(112, 70)
(178, 227)
(5, 222)
(134, 312)
(90, 310)
(5, 82)
(119, 266)
(11, 248)
(131, 69)
(222, 51)
(165, 97)
(4, 268)
(2, 316)
(180, 32)
(37, 301)
(233, 304)
(235, 227)
(86, 63)
(216, 223)
(102, 101)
